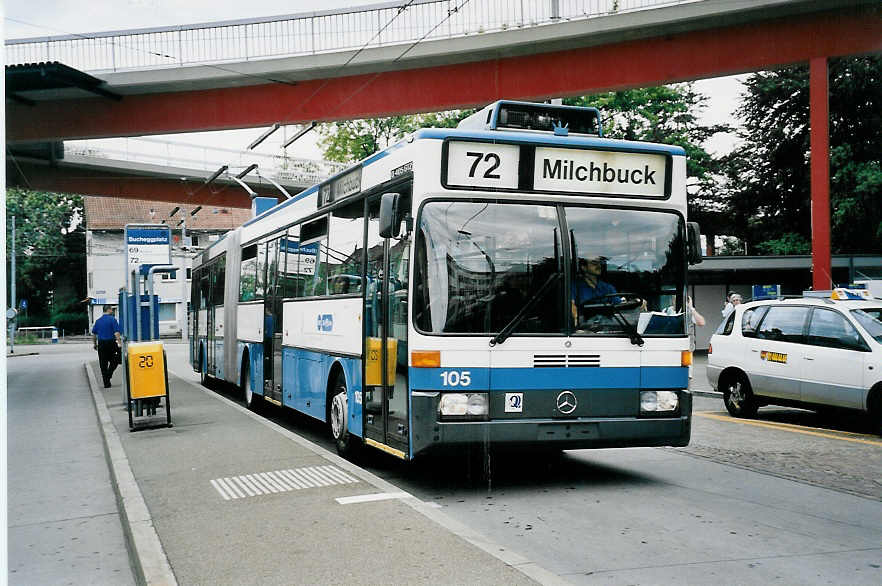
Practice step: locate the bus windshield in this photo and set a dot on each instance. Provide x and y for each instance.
(479, 264)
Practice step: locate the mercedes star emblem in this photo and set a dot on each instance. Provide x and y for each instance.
(566, 402)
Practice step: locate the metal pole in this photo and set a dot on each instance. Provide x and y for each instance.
(12, 288)
(137, 299)
(127, 334)
(150, 302)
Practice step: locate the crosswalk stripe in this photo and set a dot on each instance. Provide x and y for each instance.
(247, 486)
(221, 490)
(231, 488)
(278, 481)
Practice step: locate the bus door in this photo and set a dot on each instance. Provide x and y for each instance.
(210, 320)
(272, 326)
(385, 405)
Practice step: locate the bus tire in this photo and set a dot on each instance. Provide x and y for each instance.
(251, 399)
(338, 418)
(738, 396)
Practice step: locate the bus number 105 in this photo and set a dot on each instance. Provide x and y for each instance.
(455, 378)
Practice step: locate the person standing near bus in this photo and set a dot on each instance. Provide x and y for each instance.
(106, 337)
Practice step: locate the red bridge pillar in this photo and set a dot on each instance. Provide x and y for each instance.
(820, 173)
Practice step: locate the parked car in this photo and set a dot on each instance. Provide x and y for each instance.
(817, 351)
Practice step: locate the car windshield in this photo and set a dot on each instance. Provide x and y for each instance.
(871, 320)
(479, 264)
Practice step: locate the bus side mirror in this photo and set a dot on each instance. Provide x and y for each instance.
(693, 246)
(390, 218)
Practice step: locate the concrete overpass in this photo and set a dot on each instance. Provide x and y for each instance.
(527, 57)
(177, 174)
(670, 41)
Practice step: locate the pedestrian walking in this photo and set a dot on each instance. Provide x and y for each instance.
(107, 338)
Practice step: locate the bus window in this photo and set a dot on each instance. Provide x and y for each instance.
(260, 269)
(203, 289)
(315, 235)
(292, 265)
(272, 269)
(248, 274)
(346, 233)
(218, 282)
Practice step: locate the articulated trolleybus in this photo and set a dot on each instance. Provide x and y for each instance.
(519, 280)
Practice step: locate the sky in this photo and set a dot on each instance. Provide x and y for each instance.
(24, 18)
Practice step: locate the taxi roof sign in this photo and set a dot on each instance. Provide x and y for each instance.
(841, 293)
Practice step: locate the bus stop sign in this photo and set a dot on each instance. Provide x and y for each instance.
(147, 245)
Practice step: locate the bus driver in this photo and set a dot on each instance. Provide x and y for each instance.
(587, 285)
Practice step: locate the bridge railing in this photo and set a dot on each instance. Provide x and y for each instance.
(390, 23)
(170, 155)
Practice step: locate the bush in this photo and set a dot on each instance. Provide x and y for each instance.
(70, 322)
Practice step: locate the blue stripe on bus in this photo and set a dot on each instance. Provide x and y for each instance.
(647, 377)
(305, 382)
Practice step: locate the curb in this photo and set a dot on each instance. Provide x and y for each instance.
(714, 394)
(146, 555)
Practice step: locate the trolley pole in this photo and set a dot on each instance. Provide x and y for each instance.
(12, 292)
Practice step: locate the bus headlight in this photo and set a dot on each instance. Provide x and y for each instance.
(464, 405)
(658, 401)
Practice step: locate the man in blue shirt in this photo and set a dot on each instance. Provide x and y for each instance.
(587, 284)
(106, 337)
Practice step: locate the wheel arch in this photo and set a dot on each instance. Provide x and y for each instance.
(335, 371)
(874, 399)
(244, 365)
(731, 371)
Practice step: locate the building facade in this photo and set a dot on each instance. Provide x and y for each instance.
(106, 271)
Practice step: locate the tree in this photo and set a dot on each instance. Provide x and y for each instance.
(50, 249)
(767, 180)
(353, 140)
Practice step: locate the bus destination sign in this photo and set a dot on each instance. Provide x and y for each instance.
(586, 171)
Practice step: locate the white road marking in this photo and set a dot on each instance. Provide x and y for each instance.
(222, 492)
(367, 498)
(258, 483)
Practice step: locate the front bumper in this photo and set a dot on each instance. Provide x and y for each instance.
(562, 433)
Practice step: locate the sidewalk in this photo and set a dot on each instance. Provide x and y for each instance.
(228, 497)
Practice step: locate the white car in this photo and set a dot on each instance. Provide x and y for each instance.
(811, 352)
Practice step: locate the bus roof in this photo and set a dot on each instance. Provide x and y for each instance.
(588, 142)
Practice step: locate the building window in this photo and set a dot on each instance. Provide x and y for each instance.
(91, 284)
(189, 274)
(194, 240)
(167, 312)
(167, 277)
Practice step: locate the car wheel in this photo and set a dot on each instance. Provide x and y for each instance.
(738, 396)
(338, 419)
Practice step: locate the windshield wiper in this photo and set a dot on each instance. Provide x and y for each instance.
(504, 334)
(608, 303)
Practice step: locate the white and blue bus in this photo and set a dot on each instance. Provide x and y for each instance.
(519, 280)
